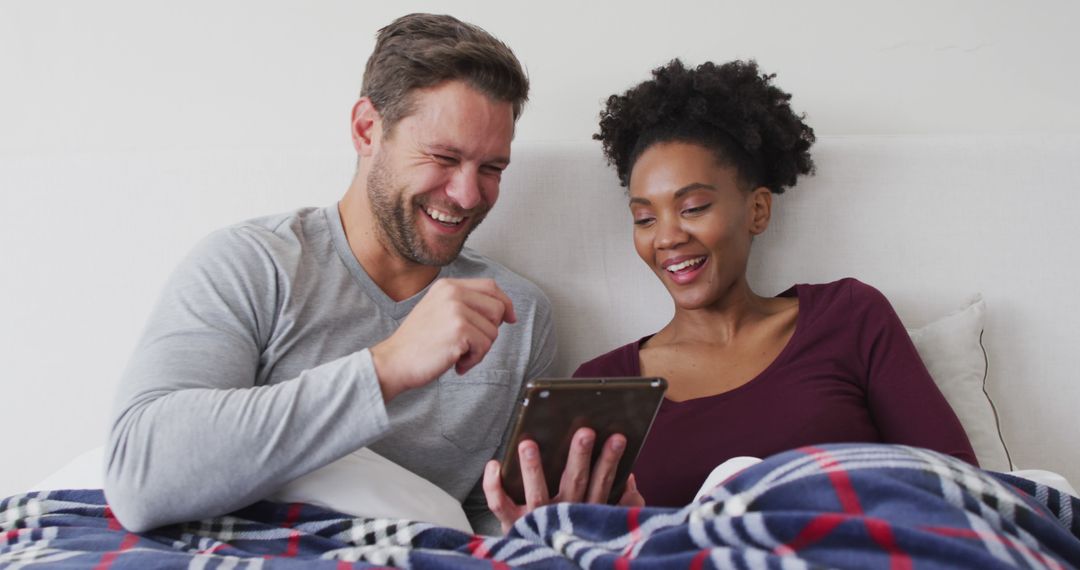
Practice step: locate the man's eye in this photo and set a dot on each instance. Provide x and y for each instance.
(443, 159)
(489, 169)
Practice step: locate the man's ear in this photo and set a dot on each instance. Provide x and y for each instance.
(366, 127)
(760, 209)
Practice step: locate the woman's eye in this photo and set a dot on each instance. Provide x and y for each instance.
(697, 209)
(642, 221)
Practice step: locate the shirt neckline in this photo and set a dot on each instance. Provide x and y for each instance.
(397, 310)
(798, 291)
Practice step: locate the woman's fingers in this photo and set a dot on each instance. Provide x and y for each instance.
(604, 471)
(532, 475)
(575, 477)
(631, 497)
(499, 503)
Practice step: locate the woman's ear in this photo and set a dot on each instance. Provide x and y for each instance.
(366, 127)
(760, 209)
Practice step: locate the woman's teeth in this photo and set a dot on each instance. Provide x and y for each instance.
(444, 218)
(688, 263)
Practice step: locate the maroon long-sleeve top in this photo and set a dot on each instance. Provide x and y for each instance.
(849, 373)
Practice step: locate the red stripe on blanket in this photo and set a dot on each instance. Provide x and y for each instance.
(1024, 493)
(109, 557)
(476, 547)
(478, 550)
(634, 526)
(294, 514)
(882, 534)
(294, 537)
(699, 560)
(992, 536)
(845, 491)
(10, 537)
(632, 518)
(817, 529)
(113, 523)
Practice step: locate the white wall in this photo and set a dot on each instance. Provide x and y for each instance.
(81, 82)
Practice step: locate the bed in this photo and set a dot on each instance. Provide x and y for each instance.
(968, 236)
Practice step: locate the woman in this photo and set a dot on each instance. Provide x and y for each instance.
(702, 151)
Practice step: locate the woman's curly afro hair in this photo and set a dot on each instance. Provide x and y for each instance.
(732, 109)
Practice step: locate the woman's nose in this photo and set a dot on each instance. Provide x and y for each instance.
(670, 234)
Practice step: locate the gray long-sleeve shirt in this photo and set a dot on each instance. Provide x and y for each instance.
(254, 369)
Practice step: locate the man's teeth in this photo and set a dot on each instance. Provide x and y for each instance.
(445, 218)
(685, 264)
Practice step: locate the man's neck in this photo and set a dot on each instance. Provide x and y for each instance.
(396, 276)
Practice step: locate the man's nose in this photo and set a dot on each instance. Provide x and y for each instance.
(464, 188)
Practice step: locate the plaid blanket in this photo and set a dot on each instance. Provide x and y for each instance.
(837, 506)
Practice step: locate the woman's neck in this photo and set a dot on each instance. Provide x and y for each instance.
(721, 322)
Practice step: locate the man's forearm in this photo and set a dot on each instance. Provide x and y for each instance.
(192, 453)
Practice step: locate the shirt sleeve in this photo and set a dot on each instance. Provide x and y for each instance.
(195, 432)
(906, 405)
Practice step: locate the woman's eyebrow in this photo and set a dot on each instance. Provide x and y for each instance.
(693, 186)
(680, 192)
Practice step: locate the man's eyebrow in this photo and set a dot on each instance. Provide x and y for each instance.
(452, 150)
(679, 193)
(443, 148)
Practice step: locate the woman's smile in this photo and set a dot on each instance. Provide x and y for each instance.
(684, 268)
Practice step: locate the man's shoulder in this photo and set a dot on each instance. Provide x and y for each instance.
(280, 235)
(473, 265)
(285, 227)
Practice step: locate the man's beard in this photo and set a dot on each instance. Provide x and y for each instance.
(398, 224)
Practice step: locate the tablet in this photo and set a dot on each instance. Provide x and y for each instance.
(550, 411)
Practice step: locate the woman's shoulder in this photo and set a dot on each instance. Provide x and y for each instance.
(848, 296)
(846, 290)
(622, 361)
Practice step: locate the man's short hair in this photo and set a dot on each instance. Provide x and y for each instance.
(423, 50)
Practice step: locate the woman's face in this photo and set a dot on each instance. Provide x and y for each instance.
(692, 223)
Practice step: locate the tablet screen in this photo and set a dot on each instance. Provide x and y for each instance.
(550, 411)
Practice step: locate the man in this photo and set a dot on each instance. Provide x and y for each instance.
(284, 343)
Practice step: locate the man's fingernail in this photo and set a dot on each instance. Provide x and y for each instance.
(530, 453)
(617, 444)
(586, 440)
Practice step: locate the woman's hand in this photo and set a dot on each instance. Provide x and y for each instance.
(575, 486)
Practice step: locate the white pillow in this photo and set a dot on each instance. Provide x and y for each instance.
(86, 471)
(364, 483)
(951, 347)
(361, 484)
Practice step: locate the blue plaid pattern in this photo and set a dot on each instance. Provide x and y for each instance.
(834, 506)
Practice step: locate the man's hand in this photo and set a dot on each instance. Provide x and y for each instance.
(576, 484)
(455, 324)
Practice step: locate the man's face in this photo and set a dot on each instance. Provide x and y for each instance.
(436, 175)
